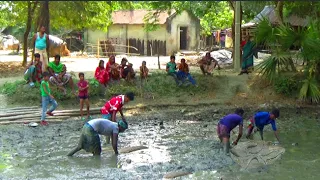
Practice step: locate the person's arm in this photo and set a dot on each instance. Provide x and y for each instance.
(167, 68)
(122, 116)
(30, 64)
(239, 135)
(34, 40)
(274, 128)
(46, 90)
(261, 133)
(115, 143)
(64, 71)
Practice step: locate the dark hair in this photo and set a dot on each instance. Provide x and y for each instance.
(45, 74)
(208, 53)
(57, 56)
(81, 74)
(144, 62)
(124, 59)
(275, 112)
(101, 61)
(130, 95)
(239, 111)
(172, 57)
(37, 55)
(183, 59)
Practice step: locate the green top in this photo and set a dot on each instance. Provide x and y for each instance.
(172, 67)
(56, 68)
(43, 93)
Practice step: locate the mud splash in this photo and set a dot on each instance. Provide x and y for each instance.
(177, 142)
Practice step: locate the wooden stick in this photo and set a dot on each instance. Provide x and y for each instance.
(15, 114)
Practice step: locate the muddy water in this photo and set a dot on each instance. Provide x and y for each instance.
(186, 142)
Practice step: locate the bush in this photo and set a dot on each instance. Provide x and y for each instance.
(286, 85)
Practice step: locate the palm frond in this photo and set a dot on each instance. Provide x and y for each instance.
(265, 33)
(310, 91)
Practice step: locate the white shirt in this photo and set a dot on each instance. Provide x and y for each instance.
(104, 126)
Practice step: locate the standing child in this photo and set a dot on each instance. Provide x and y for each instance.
(144, 70)
(47, 99)
(83, 94)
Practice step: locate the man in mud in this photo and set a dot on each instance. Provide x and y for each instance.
(225, 126)
(90, 140)
(261, 119)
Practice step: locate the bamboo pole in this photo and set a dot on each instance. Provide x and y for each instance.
(98, 49)
(237, 37)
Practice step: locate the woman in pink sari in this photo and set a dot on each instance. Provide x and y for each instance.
(101, 74)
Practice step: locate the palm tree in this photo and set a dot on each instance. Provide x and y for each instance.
(279, 39)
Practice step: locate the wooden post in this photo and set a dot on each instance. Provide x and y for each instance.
(158, 57)
(128, 47)
(98, 48)
(237, 32)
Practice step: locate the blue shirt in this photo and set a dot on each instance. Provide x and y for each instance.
(231, 121)
(41, 43)
(263, 118)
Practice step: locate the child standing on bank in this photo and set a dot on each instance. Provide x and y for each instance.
(47, 99)
(83, 87)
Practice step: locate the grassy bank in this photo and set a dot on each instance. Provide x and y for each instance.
(223, 88)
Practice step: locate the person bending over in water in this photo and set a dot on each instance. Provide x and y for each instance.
(90, 140)
(261, 119)
(225, 126)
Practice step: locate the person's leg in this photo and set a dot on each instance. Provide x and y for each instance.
(78, 148)
(54, 105)
(88, 107)
(250, 128)
(45, 60)
(81, 107)
(226, 144)
(190, 78)
(202, 69)
(261, 132)
(45, 102)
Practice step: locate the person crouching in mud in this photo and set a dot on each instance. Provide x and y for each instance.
(261, 119)
(90, 140)
(225, 126)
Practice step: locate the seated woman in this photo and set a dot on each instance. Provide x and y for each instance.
(207, 64)
(113, 68)
(101, 74)
(144, 70)
(184, 72)
(129, 73)
(122, 66)
(34, 71)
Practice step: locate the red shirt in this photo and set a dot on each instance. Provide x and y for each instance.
(83, 84)
(114, 104)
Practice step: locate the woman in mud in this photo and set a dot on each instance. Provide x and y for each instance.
(90, 140)
(207, 64)
(101, 74)
(225, 126)
(113, 68)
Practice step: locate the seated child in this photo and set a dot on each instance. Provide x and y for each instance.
(129, 73)
(184, 72)
(34, 71)
(144, 70)
(101, 74)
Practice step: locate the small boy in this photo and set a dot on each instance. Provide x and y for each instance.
(47, 99)
(261, 119)
(184, 72)
(83, 94)
(225, 126)
(34, 71)
(110, 109)
(144, 70)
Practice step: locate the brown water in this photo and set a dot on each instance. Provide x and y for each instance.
(188, 142)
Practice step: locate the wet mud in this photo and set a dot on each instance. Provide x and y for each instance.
(177, 141)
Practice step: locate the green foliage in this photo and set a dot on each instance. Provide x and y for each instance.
(286, 85)
(310, 90)
(11, 88)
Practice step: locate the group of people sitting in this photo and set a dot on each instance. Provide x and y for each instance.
(57, 71)
(114, 72)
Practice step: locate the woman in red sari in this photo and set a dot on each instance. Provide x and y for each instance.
(101, 74)
(113, 68)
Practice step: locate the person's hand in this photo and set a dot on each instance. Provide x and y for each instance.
(51, 96)
(234, 143)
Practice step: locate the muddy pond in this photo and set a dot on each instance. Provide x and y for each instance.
(187, 141)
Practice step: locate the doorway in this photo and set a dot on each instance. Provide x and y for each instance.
(183, 38)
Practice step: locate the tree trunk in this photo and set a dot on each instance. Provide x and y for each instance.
(27, 31)
(279, 11)
(232, 5)
(44, 17)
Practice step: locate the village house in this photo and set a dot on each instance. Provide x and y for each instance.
(176, 32)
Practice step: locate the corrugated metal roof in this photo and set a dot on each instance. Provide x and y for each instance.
(270, 13)
(136, 16)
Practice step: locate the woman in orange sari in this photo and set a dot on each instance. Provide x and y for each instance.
(113, 68)
(101, 74)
